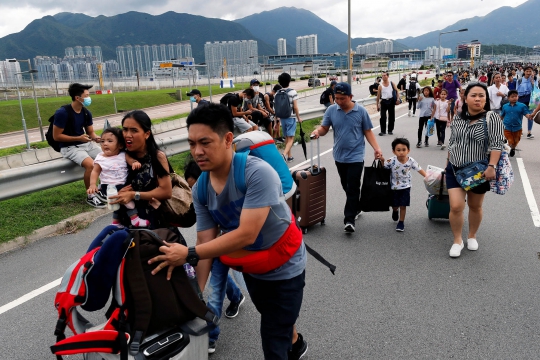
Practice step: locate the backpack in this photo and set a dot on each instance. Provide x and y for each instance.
(261, 145)
(69, 124)
(225, 99)
(143, 304)
(282, 104)
(324, 97)
(373, 88)
(411, 91)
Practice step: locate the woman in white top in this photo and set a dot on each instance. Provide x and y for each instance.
(425, 109)
(497, 93)
(386, 103)
(441, 113)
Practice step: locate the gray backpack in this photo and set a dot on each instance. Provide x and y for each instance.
(282, 104)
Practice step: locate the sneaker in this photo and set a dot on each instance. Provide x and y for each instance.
(299, 348)
(400, 226)
(390, 133)
(443, 147)
(101, 196)
(530, 136)
(95, 202)
(349, 228)
(409, 113)
(278, 141)
(426, 144)
(395, 215)
(439, 143)
(455, 250)
(419, 145)
(234, 308)
(212, 346)
(472, 244)
(290, 159)
(512, 152)
(413, 115)
(382, 134)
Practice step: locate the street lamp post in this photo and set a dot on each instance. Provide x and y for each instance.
(112, 89)
(32, 72)
(349, 52)
(22, 113)
(446, 32)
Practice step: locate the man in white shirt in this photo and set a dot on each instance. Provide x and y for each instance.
(497, 93)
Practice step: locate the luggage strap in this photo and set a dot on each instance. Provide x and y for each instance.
(105, 341)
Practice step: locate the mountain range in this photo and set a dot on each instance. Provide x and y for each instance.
(50, 35)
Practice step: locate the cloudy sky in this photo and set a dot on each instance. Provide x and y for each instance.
(382, 18)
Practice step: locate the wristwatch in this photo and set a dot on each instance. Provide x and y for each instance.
(493, 166)
(192, 257)
(137, 196)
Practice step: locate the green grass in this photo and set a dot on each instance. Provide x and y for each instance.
(308, 126)
(426, 82)
(10, 113)
(22, 215)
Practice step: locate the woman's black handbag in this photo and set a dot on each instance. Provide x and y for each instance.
(376, 194)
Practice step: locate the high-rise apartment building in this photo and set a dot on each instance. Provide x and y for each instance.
(187, 51)
(282, 46)
(434, 53)
(240, 57)
(307, 45)
(179, 50)
(374, 48)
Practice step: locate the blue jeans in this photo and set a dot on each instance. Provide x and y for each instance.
(221, 283)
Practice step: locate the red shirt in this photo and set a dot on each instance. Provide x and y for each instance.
(437, 92)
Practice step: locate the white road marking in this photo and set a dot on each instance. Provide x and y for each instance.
(29, 296)
(529, 193)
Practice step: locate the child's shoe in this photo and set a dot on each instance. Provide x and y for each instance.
(395, 215)
(138, 222)
(400, 226)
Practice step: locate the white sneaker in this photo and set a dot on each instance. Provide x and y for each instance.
(472, 244)
(455, 250)
(349, 228)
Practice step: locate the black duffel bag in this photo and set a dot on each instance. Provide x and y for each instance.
(376, 194)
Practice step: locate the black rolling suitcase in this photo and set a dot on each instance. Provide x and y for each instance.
(309, 201)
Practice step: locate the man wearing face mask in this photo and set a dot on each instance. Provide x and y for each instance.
(259, 114)
(73, 130)
(195, 96)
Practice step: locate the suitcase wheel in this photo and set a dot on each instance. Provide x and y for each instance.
(304, 230)
(323, 222)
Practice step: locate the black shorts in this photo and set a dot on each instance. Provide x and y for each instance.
(401, 197)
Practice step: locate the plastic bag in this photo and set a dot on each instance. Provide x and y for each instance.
(432, 181)
(535, 99)
(430, 127)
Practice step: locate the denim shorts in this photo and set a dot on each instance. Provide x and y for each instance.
(289, 126)
(452, 183)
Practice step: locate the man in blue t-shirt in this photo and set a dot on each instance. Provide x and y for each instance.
(74, 131)
(453, 87)
(254, 221)
(351, 123)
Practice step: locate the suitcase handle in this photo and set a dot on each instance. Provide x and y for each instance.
(318, 157)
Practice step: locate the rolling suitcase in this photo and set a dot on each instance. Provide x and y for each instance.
(309, 201)
(438, 206)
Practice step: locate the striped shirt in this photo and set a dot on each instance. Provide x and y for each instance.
(467, 141)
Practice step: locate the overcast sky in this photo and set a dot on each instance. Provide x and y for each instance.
(382, 18)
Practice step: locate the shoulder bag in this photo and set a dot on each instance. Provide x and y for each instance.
(472, 175)
(178, 210)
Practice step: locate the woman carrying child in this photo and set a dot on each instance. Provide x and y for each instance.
(111, 167)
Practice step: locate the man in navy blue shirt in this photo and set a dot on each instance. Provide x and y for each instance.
(73, 130)
(351, 123)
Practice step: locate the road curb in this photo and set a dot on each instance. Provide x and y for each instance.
(50, 230)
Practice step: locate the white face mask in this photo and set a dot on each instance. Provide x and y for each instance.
(255, 88)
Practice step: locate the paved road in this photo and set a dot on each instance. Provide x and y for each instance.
(17, 137)
(394, 296)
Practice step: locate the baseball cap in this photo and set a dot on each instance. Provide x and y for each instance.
(334, 82)
(342, 88)
(193, 92)
(254, 81)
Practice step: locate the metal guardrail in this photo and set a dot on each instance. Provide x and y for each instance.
(44, 175)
